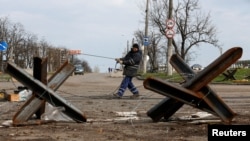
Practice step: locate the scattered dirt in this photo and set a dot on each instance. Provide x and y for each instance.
(92, 94)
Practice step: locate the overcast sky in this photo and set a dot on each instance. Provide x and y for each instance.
(102, 27)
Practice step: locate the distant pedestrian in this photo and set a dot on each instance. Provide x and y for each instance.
(131, 62)
(109, 69)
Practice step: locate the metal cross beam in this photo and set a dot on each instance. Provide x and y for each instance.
(40, 73)
(45, 92)
(176, 92)
(194, 87)
(229, 74)
(35, 104)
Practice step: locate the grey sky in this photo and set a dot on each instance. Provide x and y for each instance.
(231, 19)
(102, 27)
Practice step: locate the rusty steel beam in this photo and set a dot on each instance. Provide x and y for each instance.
(44, 92)
(176, 92)
(198, 83)
(34, 103)
(40, 69)
(40, 73)
(166, 108)
(214, 69)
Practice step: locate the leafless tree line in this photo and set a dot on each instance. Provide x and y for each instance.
(192, 29)
(23, 47)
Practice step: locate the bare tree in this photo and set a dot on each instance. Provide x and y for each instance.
(23, 47)
(4, 28)
(30, 43)
(16, 42)
(84, 63)
(153, 49)
(192, 27)
(86, 66)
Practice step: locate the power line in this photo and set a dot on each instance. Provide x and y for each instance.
(97, 56)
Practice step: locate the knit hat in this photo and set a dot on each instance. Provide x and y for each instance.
(135, 46)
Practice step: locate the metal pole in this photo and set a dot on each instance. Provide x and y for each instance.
(1, 61)
(128, 46)
(146, 35)
(169, 53)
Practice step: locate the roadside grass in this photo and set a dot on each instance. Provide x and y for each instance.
(242, 76)
(4, 77)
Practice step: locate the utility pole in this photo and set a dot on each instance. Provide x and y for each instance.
(169, 67)
(128, 48)
(145, 45)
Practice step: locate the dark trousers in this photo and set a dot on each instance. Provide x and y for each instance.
(127, 83)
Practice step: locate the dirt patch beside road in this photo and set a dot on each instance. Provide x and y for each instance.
(92, 94)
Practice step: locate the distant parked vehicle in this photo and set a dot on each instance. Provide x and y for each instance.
(196, 67)
(79, 70)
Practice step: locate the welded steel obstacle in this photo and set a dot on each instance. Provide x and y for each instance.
(43, 91)
(195, 90)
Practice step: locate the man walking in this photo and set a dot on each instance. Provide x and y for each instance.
(131, 62)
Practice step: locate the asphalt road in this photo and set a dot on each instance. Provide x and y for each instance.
(107, 117)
